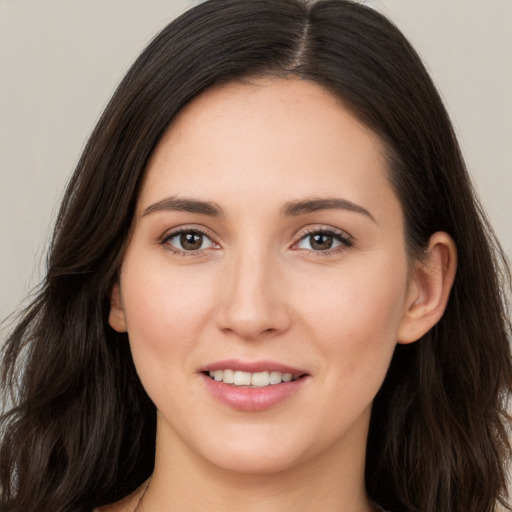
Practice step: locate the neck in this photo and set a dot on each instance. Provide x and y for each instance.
(332, 481)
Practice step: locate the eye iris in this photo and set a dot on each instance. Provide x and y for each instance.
(191, 241)
(321, 241)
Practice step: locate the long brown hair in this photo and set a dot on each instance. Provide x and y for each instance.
(81, 432)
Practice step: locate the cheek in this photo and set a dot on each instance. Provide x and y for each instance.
(165, 311)
(351, 303)
(164, 308)
(354, 326)
(354, 316)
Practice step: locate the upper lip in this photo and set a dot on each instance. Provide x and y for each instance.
(252, 367)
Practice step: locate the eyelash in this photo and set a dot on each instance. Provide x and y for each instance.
(345, 241)
(182, 252)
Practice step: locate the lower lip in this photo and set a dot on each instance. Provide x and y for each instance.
(253, 399)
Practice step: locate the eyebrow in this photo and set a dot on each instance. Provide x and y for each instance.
(290, 209)
(184, 205)
(303, 207)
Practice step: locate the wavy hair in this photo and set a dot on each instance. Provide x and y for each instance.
(81, 430)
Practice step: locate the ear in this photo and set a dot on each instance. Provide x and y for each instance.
(429, 288)
(116, 317)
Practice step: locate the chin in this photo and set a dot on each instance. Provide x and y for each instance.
(255, 453)
(260, 463)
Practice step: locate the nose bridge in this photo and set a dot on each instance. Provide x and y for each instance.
(252, 293)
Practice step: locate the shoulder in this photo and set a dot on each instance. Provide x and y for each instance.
(126, 504)
(120, 506)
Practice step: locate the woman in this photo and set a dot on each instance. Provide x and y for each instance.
(270, 286)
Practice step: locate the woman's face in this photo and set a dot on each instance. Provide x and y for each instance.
(267, 241)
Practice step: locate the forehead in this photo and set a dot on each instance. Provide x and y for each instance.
(285, 136)
(300, 107)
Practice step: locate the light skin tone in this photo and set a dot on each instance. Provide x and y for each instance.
(267, 230)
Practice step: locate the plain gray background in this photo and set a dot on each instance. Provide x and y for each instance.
(60, 61)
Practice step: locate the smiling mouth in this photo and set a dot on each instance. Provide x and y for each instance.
(254, 380)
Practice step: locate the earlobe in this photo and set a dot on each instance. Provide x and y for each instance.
(116, 317)
(429, 288)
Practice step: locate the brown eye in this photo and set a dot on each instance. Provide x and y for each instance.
(189, 241)
(324, 241)
(321, 241)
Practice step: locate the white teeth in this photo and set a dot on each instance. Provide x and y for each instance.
(275, 377)
(242, 379)
(260, 379)
(257, 380)
(229, 377)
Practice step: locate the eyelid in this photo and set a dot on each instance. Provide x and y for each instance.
(187, 228)
(346, 240)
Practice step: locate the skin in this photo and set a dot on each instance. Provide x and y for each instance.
(259, 289)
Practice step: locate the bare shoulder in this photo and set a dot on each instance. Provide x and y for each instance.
(127, 504)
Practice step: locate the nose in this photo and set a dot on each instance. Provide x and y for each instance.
(253, 298)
